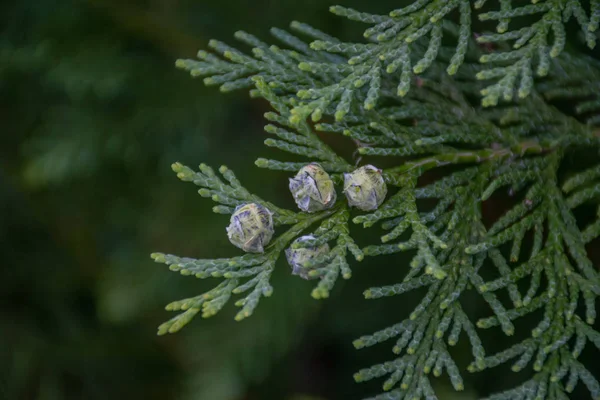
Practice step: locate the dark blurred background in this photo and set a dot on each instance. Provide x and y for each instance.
(92, 114)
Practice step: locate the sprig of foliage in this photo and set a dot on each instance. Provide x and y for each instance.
(529, 44)
(433, 127)
(334, 74)
(577, 80)
(256, 267)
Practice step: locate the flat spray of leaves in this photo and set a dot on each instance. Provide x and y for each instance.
(431, 122)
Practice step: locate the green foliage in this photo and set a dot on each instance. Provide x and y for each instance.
(330, 73)
(257, 267)
(530, 43)
(449, 157)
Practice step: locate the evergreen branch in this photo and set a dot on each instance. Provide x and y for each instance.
(363, 90)
(257, 267)
(576, 79)
(559, 323)
(230, 194)
(305, 143)
(426, 351)
(556, 328)
(530, 44)
(462, 157)
(235, 72)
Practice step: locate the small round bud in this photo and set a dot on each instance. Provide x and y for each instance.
(365, 188)
(251, 227)
(313, 189)
(298, 257)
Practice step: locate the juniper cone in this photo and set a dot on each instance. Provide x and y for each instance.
(365, 188)
(313, 189)
(251, 227)
(298, 257)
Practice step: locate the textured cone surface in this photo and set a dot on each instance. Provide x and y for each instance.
(251, 227)
(365, 188)
(313, 189)
(297, 257)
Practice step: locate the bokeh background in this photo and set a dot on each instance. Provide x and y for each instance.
(92, 114)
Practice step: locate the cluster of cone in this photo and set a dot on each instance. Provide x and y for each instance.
(251, 226)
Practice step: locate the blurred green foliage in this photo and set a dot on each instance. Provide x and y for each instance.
(92, 114)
